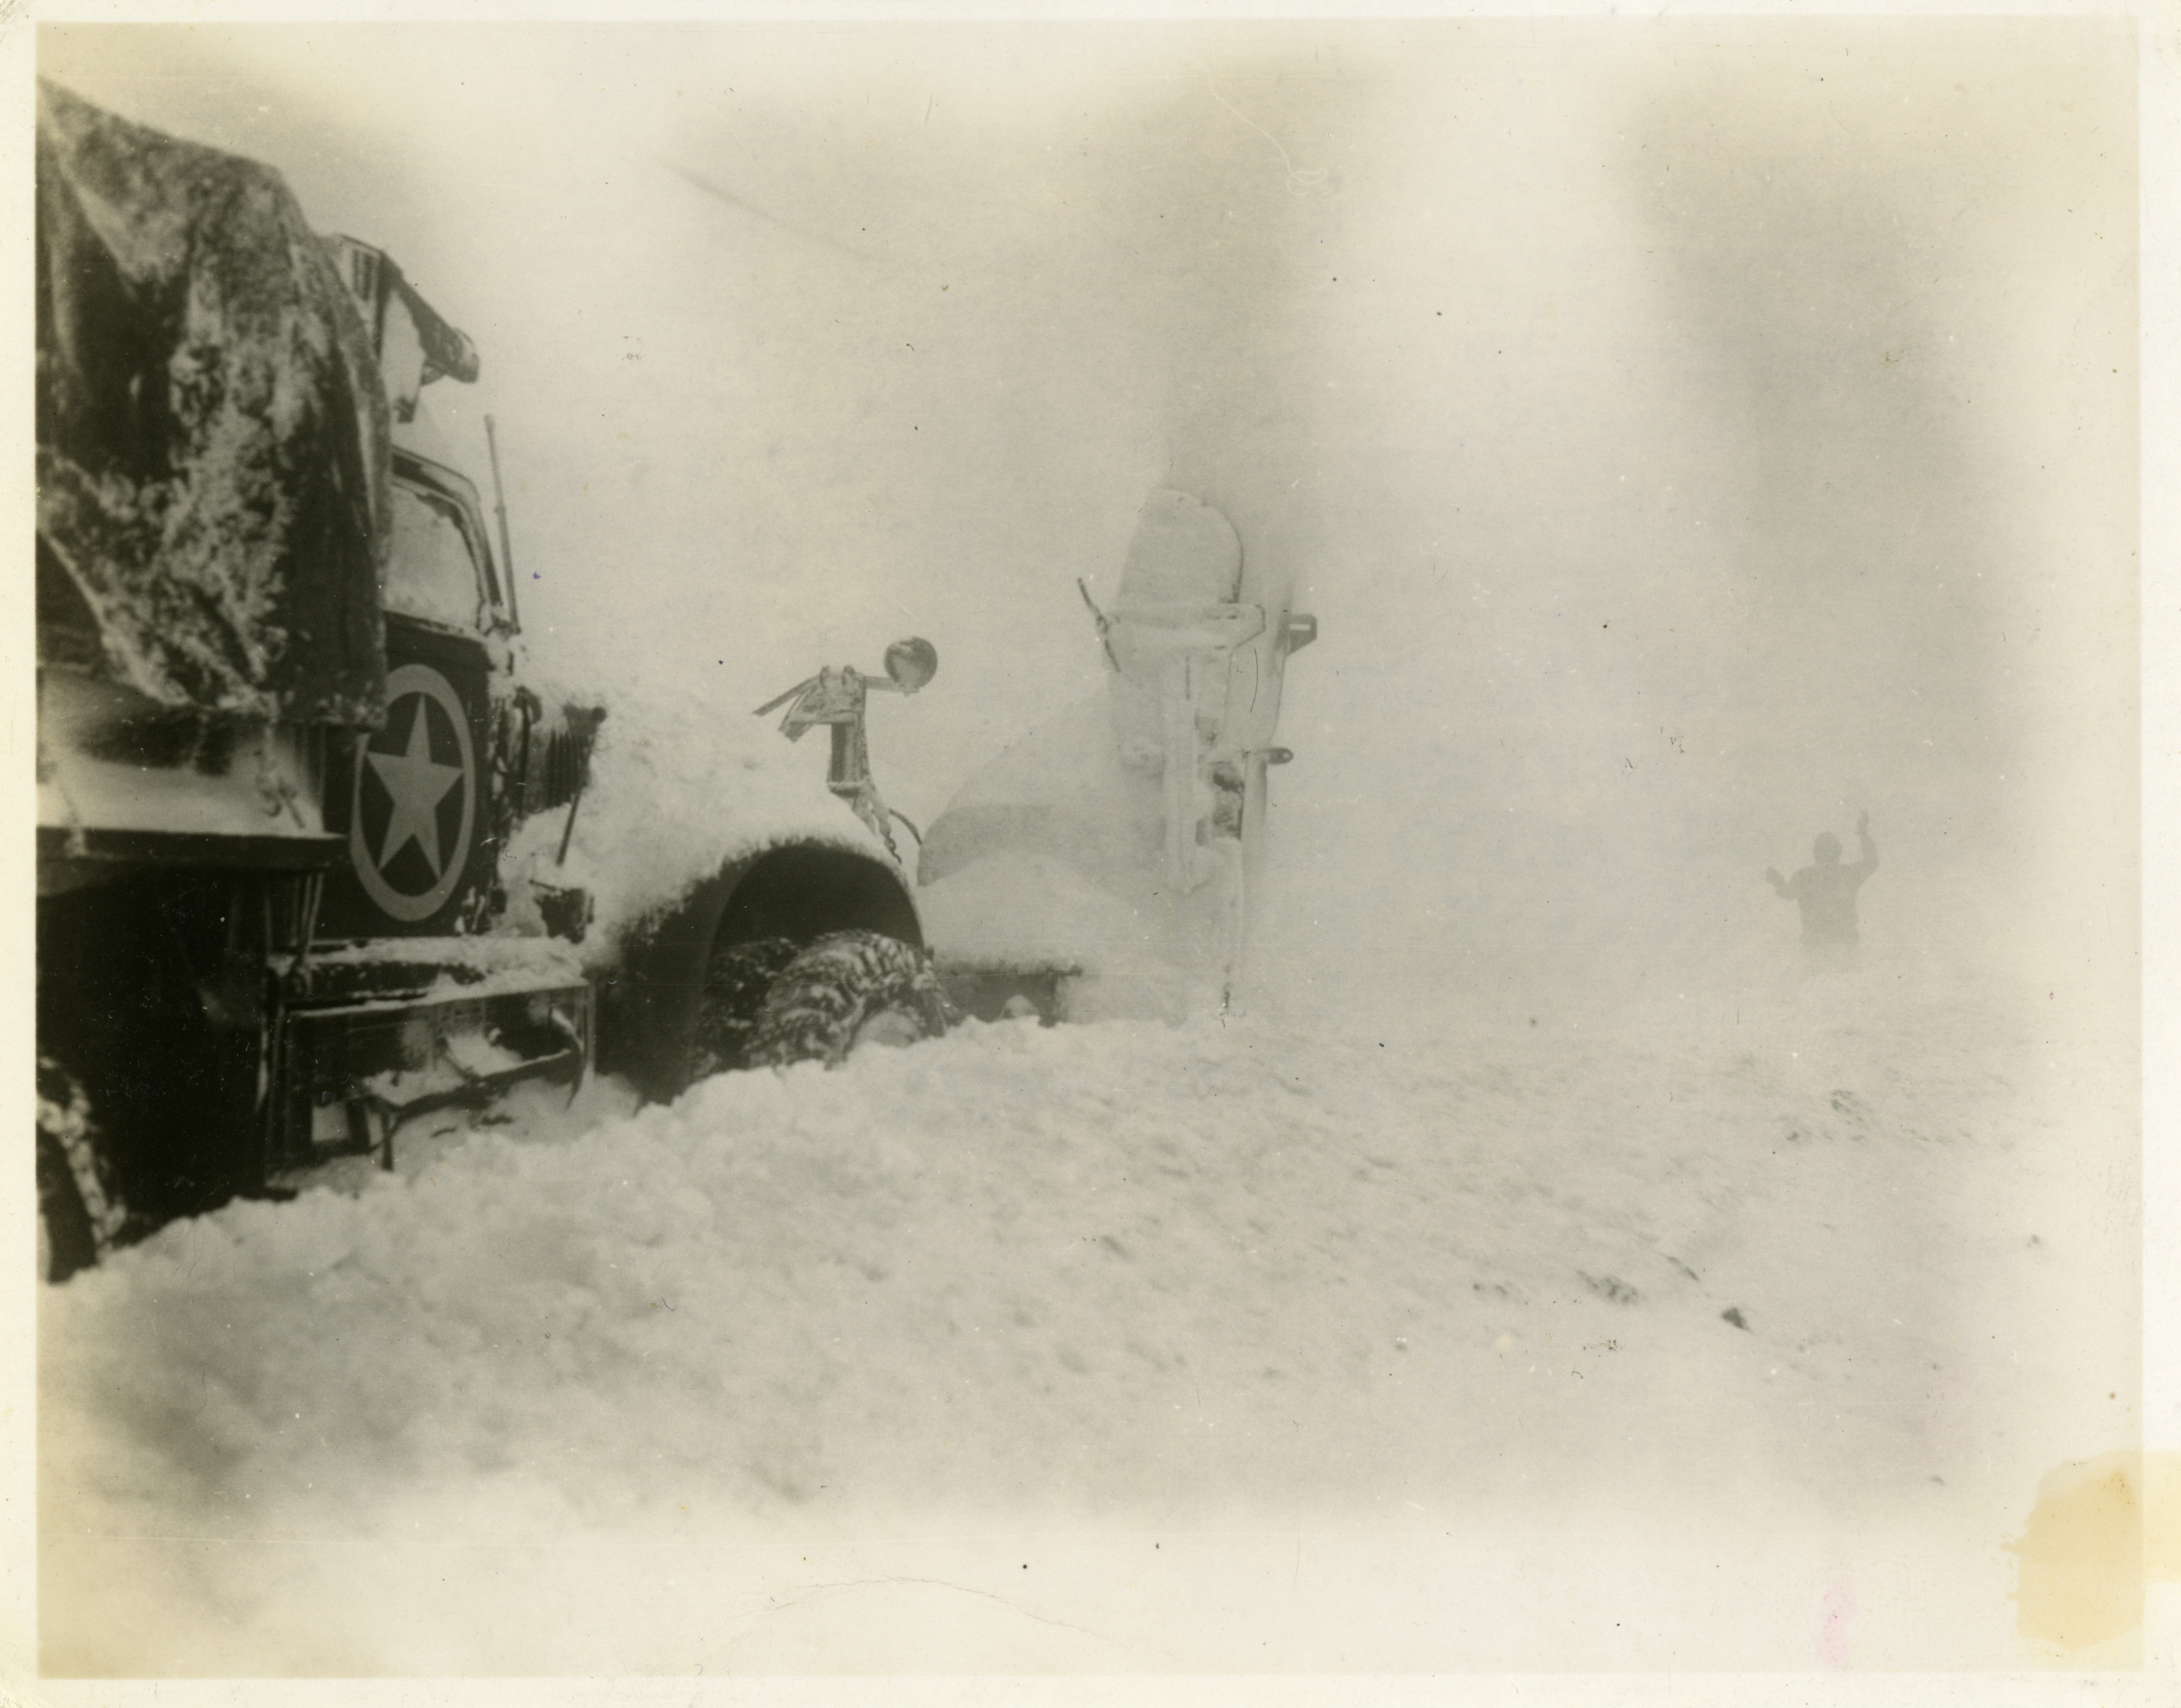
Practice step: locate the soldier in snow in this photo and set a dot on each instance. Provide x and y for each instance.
(1825, 892)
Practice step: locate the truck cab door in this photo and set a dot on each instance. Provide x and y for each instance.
(415, 799)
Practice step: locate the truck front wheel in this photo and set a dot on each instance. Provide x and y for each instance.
(847, 990)
(737, 978)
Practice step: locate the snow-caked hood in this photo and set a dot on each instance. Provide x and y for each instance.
(680, 784)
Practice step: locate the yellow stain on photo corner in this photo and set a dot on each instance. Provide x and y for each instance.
(2101, 1530)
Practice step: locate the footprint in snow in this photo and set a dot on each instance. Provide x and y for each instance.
(1845, 1103)
(1610, 1287)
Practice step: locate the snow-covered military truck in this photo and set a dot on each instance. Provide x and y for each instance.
(1108, 864)
(292, 785)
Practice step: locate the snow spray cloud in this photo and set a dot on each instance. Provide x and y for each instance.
(1888, 276)
(1072, 273)
(1718, 431)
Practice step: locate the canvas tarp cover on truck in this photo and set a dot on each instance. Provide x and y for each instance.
(212, 444)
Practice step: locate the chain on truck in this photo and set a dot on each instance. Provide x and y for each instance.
(285, 739)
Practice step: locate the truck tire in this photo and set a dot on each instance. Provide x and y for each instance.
(737, 978)
(66, 1242)
(849, 989)
(79, 1219)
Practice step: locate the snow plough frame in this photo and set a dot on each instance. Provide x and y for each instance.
(1108, 865)
(285, 739)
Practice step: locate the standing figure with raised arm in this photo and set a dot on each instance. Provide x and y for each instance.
(1825, 892)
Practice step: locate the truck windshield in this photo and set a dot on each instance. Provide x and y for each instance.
(431, 570)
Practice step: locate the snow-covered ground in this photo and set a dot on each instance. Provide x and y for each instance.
(1686, 439)
(1609, 1326)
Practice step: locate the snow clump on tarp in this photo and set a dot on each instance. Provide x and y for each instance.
(212, 433)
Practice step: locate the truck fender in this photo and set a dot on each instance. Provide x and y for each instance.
(648, 993)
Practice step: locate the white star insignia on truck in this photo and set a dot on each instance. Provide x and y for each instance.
(403, 793)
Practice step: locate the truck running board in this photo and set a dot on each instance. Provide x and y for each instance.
(347, 1075)
(374, 1117)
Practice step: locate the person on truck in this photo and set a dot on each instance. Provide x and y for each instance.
(1825, 894)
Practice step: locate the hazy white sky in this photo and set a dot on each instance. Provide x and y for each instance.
(1687, 434)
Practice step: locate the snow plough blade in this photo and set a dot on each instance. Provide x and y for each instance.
(1107, 864)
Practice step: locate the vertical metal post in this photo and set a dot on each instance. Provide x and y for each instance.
(500, 509)
(1177, 715)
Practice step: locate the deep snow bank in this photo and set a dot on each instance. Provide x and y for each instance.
(1437, 1278)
